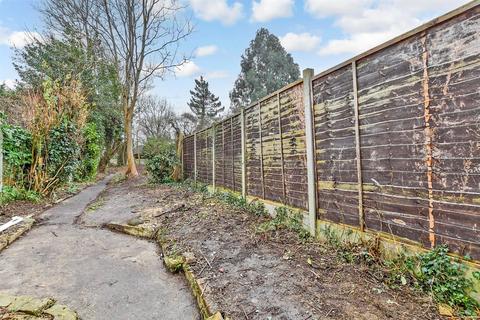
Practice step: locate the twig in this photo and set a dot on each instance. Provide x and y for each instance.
(246, 315)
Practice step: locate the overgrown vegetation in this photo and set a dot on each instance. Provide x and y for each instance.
(286, 219)
(434, 272)
(161, 158)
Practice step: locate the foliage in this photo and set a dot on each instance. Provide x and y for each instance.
(434, 272)
(90, 152)
(63, 153)
(286, 219)
(17, 155)
(265, 68)
(445, 278)
(10, 194)
(155, 146)
(160, 165)
(254, 207)
(204, 104)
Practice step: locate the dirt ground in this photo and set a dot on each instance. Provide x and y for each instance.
(252, 275)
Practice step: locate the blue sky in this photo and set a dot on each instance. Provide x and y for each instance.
(318, 33)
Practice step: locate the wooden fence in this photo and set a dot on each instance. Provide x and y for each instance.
(388, 141)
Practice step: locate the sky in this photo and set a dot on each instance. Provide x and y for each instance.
(318, 33)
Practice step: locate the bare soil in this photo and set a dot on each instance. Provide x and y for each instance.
(251, 275)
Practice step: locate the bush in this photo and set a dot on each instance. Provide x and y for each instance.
(155, 146)
(9, 194)
(160, 165)
(17, 153)
(63, 152)
(90, 152)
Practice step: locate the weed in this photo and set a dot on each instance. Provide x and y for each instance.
(10, 194)
(285, 219)
(433, 272)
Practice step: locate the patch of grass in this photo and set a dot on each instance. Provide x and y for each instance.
(117, 178)
(256, 208)
(10, 194)
(286, 219)
(96, 204)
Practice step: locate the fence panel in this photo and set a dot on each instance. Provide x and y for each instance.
(237, 153)
(392, 95)
(292, 118)
(204, 156)
(334, 123)
(188, 157)
(253, 157)
(454, 90)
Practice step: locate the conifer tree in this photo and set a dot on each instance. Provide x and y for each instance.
(265, 68)
(204, 104)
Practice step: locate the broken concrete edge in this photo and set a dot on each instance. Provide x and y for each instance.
(36, 307)
(7, 239)
(173, 263)
(141, 231)
(176, 263)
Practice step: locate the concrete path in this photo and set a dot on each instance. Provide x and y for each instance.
(102, 275)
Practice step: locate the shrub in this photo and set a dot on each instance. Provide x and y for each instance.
(160, 165)
(17, 154)
(10, 193)
(63, 153)
(155, 146)
(90, 155)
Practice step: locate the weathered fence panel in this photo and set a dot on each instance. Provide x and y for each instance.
(188, 157)
(396, 139)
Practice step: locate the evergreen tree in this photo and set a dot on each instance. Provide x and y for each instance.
(265, 68)
(204, 104)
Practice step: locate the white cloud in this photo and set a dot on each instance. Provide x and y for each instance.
(299, 41)
(325, 8)
(217, 75)
(17, 39)
(371, 22)
(187, 69)
(9, 83)
(206, 51)
(266, 10)
(211, 10)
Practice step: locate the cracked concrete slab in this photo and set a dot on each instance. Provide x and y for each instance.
(101, 274)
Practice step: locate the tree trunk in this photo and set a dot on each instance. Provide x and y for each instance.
(131, 166)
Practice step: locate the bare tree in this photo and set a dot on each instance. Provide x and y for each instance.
(154, 116)
(142, 37)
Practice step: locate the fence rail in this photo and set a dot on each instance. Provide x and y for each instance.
(388, 141)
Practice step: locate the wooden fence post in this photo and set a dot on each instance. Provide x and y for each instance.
(195, 157)
(309, 137)
(244, 161)
(261, 148)
(361, 214)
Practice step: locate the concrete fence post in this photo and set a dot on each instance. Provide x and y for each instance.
(195, 157)
(309, 136)
(244, 160)
(213, 156)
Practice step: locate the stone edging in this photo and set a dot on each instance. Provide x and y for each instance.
(8, 238)
(23, 307)
(173, 263)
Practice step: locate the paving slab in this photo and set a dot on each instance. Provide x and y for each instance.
(98, 273)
